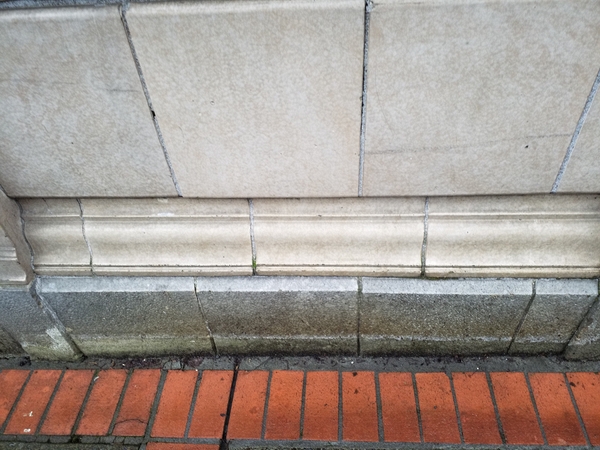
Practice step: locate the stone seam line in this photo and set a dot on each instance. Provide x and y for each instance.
(363, 113)
(523, 317)
(123, 10)
(425, 235)
(87, 243)
(571, 148)
(210, 334)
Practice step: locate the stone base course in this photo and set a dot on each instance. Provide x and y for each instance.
(70, 317)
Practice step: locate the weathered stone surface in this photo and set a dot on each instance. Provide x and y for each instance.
(15, 256)
(55, 232)
(477, 97)
(381, 236)
(555, 313)
(586, 342)
(296, 315)
(168, 236)
(29, 324)
(8, 346)
(119, 316)
(73, 118)
(508, 236)
(256, 99)
(440, 317)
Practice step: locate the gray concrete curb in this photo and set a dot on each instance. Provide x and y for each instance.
(61, 317)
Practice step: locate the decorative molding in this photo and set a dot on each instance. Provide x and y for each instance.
(514, 236)
(15, 257)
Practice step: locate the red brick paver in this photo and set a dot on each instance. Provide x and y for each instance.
(211, 404)
(515, 408)
(321, 404)
(33, 402)
(438, 415)
(175, 403)
(556, 409)
(135, 409)
(359, 406)
(102, 403)
(476, 409)
(248, 405)
(168, 446)
(398, 408)
(586, 390)
(523, 409)
(285, 404)
(67, 402)
(11, 382)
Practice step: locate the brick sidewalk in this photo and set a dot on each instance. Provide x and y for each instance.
(189, 409)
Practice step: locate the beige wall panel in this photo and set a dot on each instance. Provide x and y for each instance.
(73, 117)
(256, 99)
(475, 97)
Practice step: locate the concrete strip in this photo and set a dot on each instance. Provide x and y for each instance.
(441, 317)
(122, 316)
(291, 315)
(557, 309)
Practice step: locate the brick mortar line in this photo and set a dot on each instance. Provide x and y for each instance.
(223, 443)
(266, 406)
(50, 400)
(302, 405)
(535, 408)
(155, 404)
(84, 403)
(577, 412)
(417, 405)
(340, 407)
(193, 403)
(15, 402)
(113, 422)
(380, 430)
(456, 410)
(496, 409)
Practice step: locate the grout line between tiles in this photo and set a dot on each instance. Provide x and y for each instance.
(193, 404)
(138, 67)
(302, 405)
(495, 405)
(418, 406)
(577, 412)
(85, 402)
(15, 403)
(535, 408)
(580, 122)
(120, 402)
(340, 407)
(266, 406)
(380, 430)
(456, 410)
(223, 444)
(155, 404)
(47, 409)
(363, 112)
